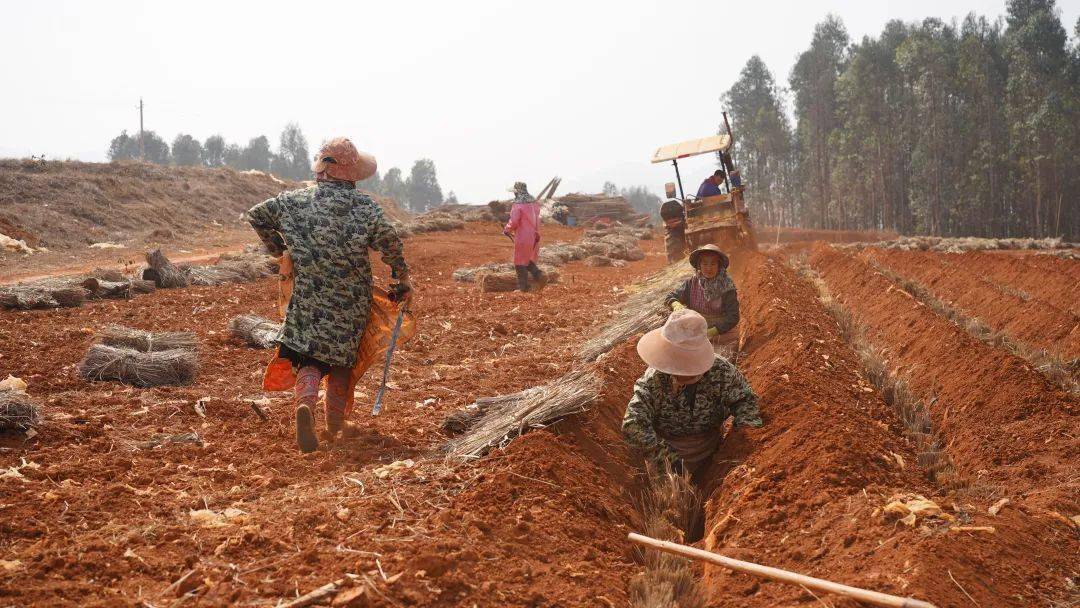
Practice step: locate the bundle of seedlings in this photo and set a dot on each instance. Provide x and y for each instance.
(473, 274)
(143, 369)
(670, 505)
(146, 341)
(254, 330)
(244, 270)
(42, 294)
(641, 312)
(162, 272)
(561, 253)
(508, 416)
(18, 412)
(507, 280)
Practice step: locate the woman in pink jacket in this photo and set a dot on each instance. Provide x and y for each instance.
(524, 228)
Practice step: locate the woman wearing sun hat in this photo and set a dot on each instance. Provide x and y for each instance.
(711, 292)
(682, 400)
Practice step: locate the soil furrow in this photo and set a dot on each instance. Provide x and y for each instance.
(1031, 321)
(1009, 430)
(1046, 278)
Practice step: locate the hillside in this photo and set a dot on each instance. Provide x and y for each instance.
(67, 206)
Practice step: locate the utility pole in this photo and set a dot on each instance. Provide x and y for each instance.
(142, 148)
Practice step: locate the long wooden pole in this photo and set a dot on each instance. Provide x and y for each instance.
(863, 595)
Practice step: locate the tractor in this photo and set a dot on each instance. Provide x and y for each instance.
(722, 220)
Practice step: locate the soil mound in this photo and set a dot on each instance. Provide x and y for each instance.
(67, 204)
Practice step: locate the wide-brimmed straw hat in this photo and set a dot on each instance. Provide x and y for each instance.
(340, 159)
(681, 347)
(710, 248)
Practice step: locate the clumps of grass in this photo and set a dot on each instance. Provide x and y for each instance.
(146, 341)
(142, 369)
(1064, 373)
(254, 330)
(505, 417)
(18, 412)
(671, 507)
(641, 312)
(909, 408)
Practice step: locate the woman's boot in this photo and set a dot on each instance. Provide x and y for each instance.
(522, 277)
(307, 394)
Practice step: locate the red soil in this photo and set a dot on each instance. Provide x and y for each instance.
(1010, 431)
(1048, 279)
(71, 536)
(963, 285)
(543, 522)
(807, 485)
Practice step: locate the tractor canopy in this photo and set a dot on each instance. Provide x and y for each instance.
(693, 147)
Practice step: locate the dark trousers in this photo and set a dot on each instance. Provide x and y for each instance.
(523, 273)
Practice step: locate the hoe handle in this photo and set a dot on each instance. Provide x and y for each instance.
(786, 576)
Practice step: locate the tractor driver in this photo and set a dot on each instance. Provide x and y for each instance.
(711, 185)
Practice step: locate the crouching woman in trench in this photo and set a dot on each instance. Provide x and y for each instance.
(682, 400)
(711, 293)
(327, 230)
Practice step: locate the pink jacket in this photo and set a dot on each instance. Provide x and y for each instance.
(525, 224)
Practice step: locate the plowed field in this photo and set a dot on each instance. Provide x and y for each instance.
(103, 519)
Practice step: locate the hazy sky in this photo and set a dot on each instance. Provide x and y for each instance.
(493, 92)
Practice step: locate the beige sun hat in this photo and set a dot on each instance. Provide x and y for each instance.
(681, 347)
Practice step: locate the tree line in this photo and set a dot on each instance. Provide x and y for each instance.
(419, 191)
(969, 128)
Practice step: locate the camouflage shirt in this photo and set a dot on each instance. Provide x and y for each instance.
(328, 229)
(701, 408)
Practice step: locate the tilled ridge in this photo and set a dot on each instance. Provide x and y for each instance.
(1032, 321)
(807, 491)
(1008, 427)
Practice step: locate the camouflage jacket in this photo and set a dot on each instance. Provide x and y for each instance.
(328, 229)
(701, 408)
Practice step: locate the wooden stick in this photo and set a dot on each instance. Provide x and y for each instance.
(315, 596)
(786, 576)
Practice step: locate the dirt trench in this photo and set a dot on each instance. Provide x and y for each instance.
(1009, 431)
(1030, 320)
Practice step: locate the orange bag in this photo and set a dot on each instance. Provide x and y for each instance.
(279, 374)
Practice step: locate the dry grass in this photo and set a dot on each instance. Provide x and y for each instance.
(909, 408)
(254, 330)
(641, 312)
(18, 412)
(671, 507)
(146, 341)
(45, 294)
(143, 369)
(1064, 373)
(962, 244)
(508, 416)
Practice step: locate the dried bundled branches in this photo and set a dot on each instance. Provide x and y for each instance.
(162, 272)
(507, 416)
(18, 412)
(234, 268)
(254, 330)
(42, 294)
(640, 312)
(143, 369)
(146, 341)
(671, 507)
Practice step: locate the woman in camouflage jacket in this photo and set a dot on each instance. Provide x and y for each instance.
(327, 230)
